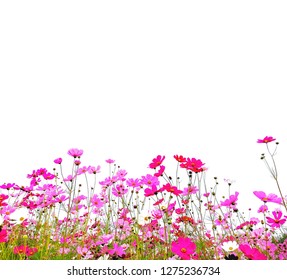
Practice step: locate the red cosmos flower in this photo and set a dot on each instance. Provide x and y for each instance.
(22, 249)
(193, 164)
(180, 211)
(268, 198)
(172, 189)
(180, 158)
(266, 139)
(75, 152)
(31, 251)
(252, 253)
(158, 202)
(183, 247)
(157, 161)
(3, 236)
(276, 222)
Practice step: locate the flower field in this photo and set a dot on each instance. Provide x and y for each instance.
(82, 215)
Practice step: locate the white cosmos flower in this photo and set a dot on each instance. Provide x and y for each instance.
(104, 257)
(144, 218)
(229, 246)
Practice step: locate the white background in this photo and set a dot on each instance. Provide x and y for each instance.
(130, 80)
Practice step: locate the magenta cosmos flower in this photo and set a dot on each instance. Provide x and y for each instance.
(268, 198)
(183, 247)
(3, 236)
(75, 152)
(160, 171)
(58, 161)
(251, 253)
(277, 221)
(231, 201)
(266, 139)
(157, 161)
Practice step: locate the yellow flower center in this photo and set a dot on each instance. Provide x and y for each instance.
(183, 250)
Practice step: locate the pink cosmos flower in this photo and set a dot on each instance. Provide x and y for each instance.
(79, 198)
(84, 252)
(121, 174)
(262, 209)
(252, 253)
(268, 198)
(150, 180)
(75, 152)
(82, 170)
(61, 198)
(117, 250)
(190, 190)
(157, 214)
(171, 208)
(94, 170)
(119, 190)
(64, 251)
(277, 221)
(266, 139)
(96, 201)
(7, 186)
(151, 191)
(77, 162)
(110, 161)
(2, 198)
(69, 178)
(135, 183)
(160, 171)
(7, 210)
(231, 201)
(183, 247)
(3, 236)
(58, 160)
(157, 161)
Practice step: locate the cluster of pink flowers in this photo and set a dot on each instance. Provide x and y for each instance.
(124, 217)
